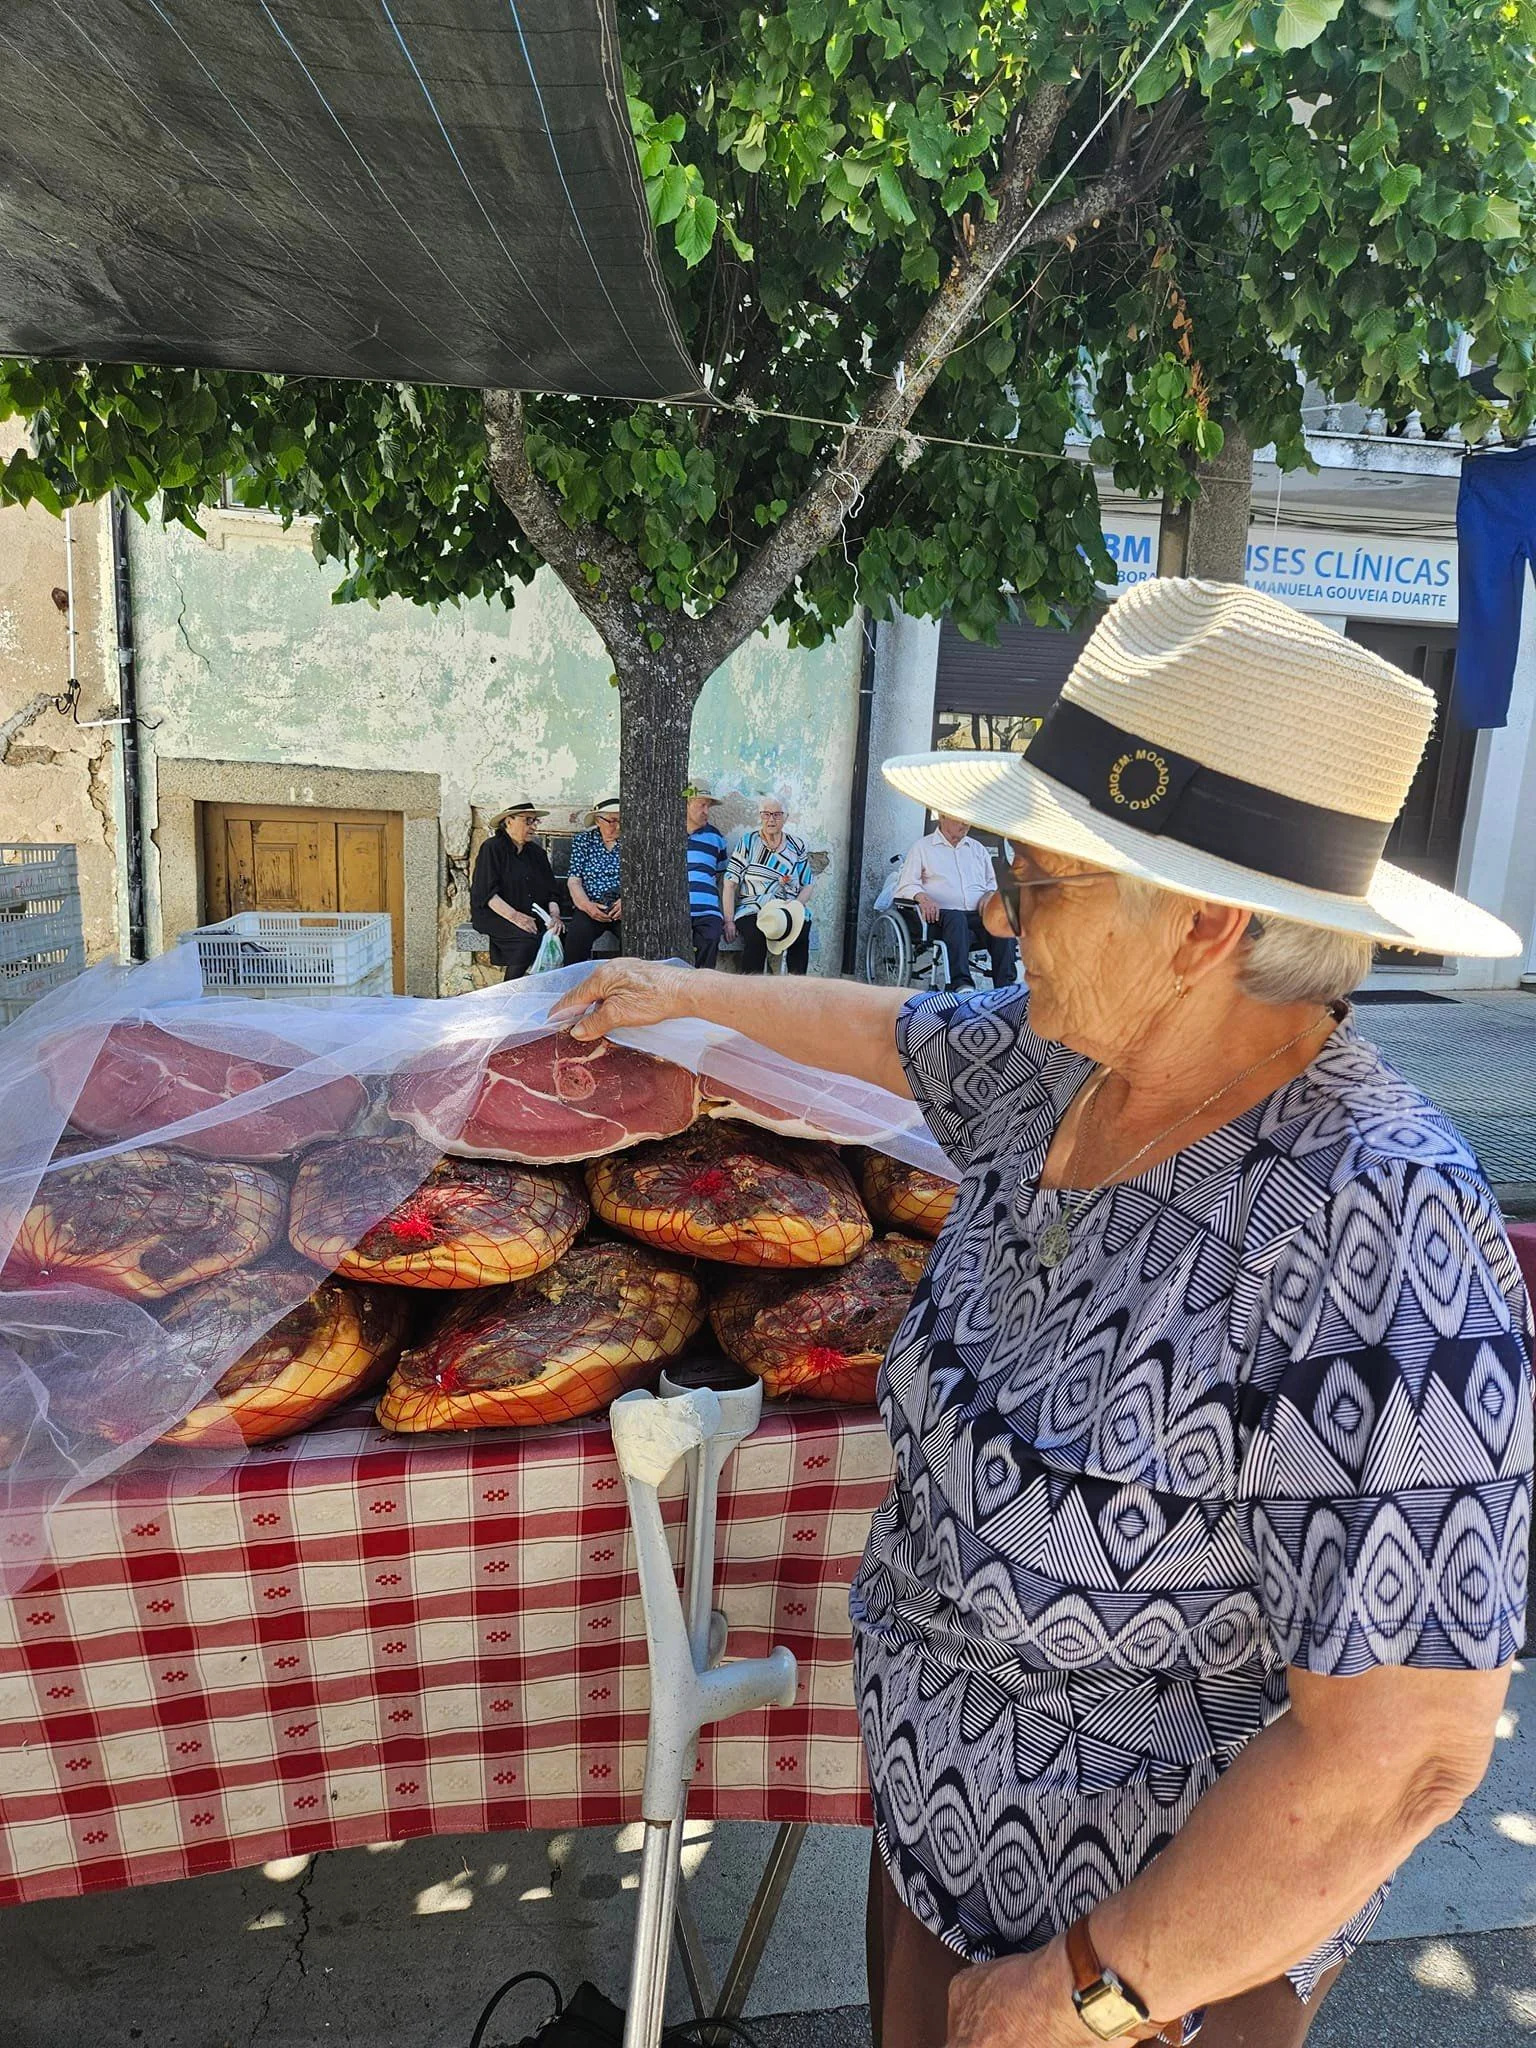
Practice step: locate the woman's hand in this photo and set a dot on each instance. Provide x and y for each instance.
(522, 920)
(627, 992)
(730, 930)
(1021, 2002)
(616, 909)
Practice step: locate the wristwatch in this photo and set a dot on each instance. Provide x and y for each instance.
(1106, 2005)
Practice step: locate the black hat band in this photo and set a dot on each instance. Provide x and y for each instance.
(1158, 791)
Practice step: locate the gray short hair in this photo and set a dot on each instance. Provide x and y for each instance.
(1283, 961)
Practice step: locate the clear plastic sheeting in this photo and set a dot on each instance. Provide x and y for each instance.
(150, 1140)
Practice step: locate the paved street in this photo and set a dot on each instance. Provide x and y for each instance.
(1476, 1057)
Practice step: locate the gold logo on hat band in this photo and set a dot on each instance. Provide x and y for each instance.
(1147, 799)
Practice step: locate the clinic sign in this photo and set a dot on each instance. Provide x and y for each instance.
(1350, 575)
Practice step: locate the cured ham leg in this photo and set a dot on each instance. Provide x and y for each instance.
(471, 1223)
(820, 1334)
(735, 1193)
(905, 1197)
(147, 1223)
(549, 1349)
(144, 1078)
(338, 1341)
(550, 1100)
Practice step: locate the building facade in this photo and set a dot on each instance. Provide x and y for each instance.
(295, 753)
(1368, 545)
(302, 754)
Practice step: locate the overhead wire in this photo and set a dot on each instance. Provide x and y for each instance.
(470, 186)
(570, 198)
(378, 185)
(410, 312)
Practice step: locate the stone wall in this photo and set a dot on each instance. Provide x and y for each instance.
(57, 776)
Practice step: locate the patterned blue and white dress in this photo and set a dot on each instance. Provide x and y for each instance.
(1273, 1408)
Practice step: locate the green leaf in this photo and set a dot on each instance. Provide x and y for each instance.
(1501, 220)
(839, 49)
(1300, 22)
(1225, 28)
(696, 229)
(892, 198)
(668, 194)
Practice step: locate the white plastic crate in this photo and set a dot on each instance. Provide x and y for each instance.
(295, 952)
(36, 874)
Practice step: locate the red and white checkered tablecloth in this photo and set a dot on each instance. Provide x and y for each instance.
(346, 1639)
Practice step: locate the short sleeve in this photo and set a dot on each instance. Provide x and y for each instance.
(1387, 1475)
(736, 860)
(967, 1058)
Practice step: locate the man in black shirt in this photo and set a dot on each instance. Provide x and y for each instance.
(513, 878)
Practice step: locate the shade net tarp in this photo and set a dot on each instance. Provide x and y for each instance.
(156, 1146)
(433, 191)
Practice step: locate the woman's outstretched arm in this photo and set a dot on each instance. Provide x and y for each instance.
(844, 1026)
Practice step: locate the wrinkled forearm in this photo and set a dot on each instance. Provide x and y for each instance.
(1276, 1857)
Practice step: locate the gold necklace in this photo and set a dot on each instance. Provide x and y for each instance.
(1055, 1241)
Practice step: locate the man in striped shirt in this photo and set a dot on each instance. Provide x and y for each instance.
(707, 854)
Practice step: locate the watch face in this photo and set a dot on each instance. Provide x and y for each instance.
(1106, 2011)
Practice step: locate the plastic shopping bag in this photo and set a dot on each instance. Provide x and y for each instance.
(551, 954)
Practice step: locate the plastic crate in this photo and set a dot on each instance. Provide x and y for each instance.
(23, 981)
(294, 951)
(36, 874)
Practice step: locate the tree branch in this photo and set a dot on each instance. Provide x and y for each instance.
(815, 520)
(621, 622)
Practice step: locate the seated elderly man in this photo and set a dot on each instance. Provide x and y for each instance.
(948, 875)
(1192, 1605)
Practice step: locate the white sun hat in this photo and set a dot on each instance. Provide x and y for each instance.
(1217, 743)
(780, 922)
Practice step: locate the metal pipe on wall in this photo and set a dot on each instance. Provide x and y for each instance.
(128, 708)
(858, 800)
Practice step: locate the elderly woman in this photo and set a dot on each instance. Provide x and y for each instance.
(769, 865)
(512, 898)
(1191, 1608)
(593, 879)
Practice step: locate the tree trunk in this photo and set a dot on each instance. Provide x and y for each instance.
(1208, 536)
(655, 729)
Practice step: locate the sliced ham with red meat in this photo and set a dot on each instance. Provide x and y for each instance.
(144, 1078)
(550, 1100)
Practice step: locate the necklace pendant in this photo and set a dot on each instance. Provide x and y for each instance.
(1054, 1242)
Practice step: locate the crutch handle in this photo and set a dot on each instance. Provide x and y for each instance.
(687, 1689)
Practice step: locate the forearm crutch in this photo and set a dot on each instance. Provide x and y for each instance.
(685, 1639)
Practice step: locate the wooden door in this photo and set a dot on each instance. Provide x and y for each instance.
(265, 857)
(1427, 836)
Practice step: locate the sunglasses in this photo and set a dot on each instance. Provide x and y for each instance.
(1024, 872)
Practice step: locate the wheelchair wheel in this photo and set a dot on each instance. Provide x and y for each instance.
(888, 951)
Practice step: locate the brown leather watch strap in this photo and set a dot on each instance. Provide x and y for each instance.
(1087, 1969)
(1082, 1956)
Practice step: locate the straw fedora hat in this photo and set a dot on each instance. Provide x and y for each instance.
(780, 922)
(521, 809)
(1217, 743)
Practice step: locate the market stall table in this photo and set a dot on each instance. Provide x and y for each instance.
(344, 1638)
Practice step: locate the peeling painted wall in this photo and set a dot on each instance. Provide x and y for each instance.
(242, 657)
(57, 778)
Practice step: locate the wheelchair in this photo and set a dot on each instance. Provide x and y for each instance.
(898, 953)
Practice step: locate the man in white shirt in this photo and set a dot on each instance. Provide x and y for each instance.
(947, 874)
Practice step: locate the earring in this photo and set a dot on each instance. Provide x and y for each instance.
(1180, 987)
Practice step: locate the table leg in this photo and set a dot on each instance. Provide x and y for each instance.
(699, 1977)
(755, 1932)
